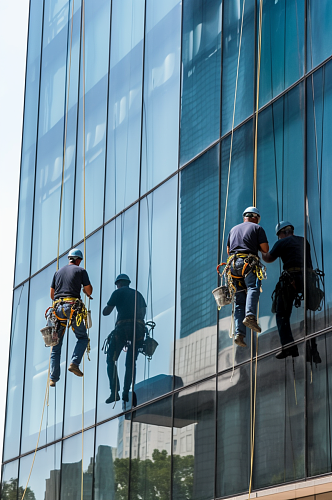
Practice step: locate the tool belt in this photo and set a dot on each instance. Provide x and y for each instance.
(78, 311)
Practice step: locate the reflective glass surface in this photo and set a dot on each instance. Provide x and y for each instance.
(282, 56)
(119, 256)
(36, 371)
(280, 188)
(15, 375)
(194, 441)
(319, 178)
(74, 451)
(97, 26)
(319, 405)
(112, 459)
(44, 482)
(9, 481)
(280, 421)
(196, 329)
(319, 35)
(200, 92)
(76, 385)
(50, 140)
(156, 282)
(150, 451)
(125, 105)
(24, 227)
(161, 92)
(232, 18)
(233, 434)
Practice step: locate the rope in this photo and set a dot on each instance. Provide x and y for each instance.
(65, 136)
(253, 401)
(41, 423)
(232, 134)
(46, 398)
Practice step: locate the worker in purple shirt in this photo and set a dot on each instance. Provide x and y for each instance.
(244, 241)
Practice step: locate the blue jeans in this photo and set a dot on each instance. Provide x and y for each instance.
(81, 344)
(246, 296)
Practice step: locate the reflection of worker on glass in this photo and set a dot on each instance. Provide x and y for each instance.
(124, 299)
(289, 289)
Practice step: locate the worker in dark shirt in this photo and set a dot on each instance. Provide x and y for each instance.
(66, 287)
(289, 290)
(124, 299)
(244, 242)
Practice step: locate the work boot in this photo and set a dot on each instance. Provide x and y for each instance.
(75, 370)
(125, 396)
(239, 340)
(251, 322)
(52, 383)
(113, 398)
(316, 357)
(289, 351)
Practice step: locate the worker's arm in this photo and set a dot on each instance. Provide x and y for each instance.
(88, 290)
(52, 293)
(107, 310)
(264, 247)
(267, 257)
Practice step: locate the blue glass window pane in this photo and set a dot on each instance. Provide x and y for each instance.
(231, 40)
(125, 105)
(15, 376)
(194, 442)
(24, 227)
(45, 476)
(319, 34)
(319, 407)
(36, 371)
(112, 458)
(280, 421)
(9, 481)
(150, 451)
(239, 197)
(282, 57)
(71, 467)
(195, 348)
(119, 256)
(50, 138)
(319, 178)
(280, 196)
(73, 404)
(97, 28)
(233, 434)
(156, 282)
(161, 92)
(200, 93)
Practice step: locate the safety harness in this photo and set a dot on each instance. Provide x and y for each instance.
(251, 263)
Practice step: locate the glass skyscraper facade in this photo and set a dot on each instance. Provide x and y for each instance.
(159, 82)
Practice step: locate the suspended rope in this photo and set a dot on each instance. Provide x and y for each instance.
(253, 405)
(46, 398)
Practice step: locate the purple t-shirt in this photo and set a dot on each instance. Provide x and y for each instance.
(246, 238)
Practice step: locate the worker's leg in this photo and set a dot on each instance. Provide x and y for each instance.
(253, 289)
(129, 375)
(81, 342)
(284, 307)
(56, 352)
(239, 310)
(113, 352)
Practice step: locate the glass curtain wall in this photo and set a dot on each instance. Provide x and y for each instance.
(160, 199)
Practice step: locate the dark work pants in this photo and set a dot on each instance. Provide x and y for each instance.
(120, 337)
(284, 306)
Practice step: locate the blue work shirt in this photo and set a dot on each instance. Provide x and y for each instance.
(246, 238)
(124, 300)
(291, 252)
(68, 281)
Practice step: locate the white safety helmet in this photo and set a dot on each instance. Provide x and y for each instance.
(252, 212)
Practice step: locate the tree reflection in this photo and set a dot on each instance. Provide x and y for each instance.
(10, 491)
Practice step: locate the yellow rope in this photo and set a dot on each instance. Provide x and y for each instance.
(41, 423)
(65, 137)
(253, 401)
(232, 134)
